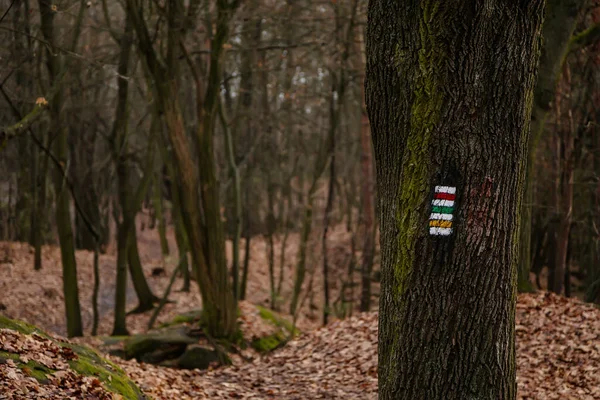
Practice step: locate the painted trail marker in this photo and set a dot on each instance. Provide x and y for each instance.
(442, 207)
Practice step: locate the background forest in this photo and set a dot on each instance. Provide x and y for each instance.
(218, 153)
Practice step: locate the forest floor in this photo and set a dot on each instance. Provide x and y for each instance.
(558, 339)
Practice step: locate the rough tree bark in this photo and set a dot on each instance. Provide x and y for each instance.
(593, 278)
(449, 92)
(368, 209)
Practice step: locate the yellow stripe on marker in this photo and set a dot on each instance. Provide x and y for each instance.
(440, 223)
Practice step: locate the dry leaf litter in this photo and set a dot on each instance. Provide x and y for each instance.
(558, 339)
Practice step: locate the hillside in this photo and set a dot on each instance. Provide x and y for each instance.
(558, 340)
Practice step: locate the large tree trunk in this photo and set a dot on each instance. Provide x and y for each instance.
(593, 271)
(449, 92)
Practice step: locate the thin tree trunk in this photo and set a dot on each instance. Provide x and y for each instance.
(165, 296)
(286, 235)
(246, 266)
(223, 321)
(96, 290)
(270, 228)
(157, 204)
(146, 298)
(55, 67)
(565, 210)
(120, 323)
(326, 218)
(89, 202)
(183, 249)
(321, 164)
(449, 92)
(131, 203)
(40, 211)
(119, 141)
(28, 168)
(237, 196)
(180, 234)
(350, 277)
(301, 264)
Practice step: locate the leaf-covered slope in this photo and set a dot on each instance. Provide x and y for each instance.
(558, 357)
(36, 365)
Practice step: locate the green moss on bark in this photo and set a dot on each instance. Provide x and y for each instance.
(425, 113)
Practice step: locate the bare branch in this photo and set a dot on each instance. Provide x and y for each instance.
(23, 125)
(585, 38)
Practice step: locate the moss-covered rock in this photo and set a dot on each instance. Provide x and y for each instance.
(283, 331)
(81, 359)
(269, 343)
(21, 326)
(176, 347)
(277, 320)
(155, 347)
(181, 343)
(197, 356)
(185, 318)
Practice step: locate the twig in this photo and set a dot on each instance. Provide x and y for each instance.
(7, 10)
(65, 51)
(585, 38)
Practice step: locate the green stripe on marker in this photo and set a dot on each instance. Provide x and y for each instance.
(442, 210)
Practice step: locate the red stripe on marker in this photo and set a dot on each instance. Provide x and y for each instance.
(444, 196)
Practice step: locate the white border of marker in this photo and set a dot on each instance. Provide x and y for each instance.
(445, 216)
(436, 231)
